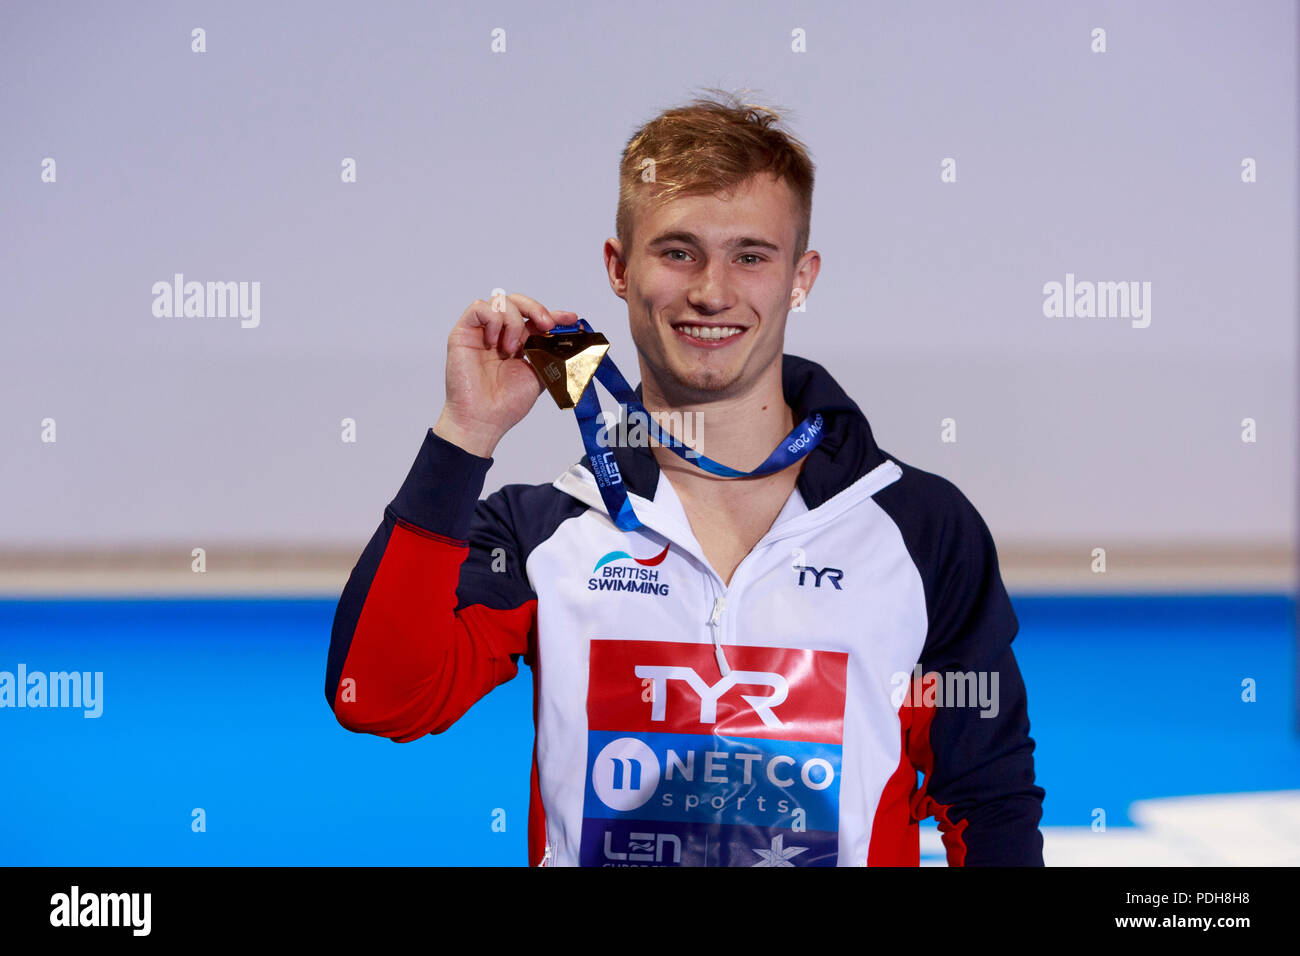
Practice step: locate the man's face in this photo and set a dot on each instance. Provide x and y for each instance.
(708, 284)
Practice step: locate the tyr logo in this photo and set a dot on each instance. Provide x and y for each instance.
(709, 695)
(833, 575)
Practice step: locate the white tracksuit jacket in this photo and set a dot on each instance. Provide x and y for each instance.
(781, 720)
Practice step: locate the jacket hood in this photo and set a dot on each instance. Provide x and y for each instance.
(846, 452)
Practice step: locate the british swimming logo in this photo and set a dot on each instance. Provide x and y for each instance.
(623, 555)
(642, 576)
(689, 767)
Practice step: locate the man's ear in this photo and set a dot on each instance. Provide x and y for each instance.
(616, 266)
(805, 274)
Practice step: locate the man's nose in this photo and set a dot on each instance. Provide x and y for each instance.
(710, 291)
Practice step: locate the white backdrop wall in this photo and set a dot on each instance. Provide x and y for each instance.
(479, 169)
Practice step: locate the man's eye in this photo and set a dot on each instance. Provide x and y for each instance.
(672, 251)
(753, 255)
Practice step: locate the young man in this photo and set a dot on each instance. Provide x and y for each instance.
(737, 681)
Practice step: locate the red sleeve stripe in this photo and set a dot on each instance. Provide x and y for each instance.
(432, 535)
(923, 805)
(415, 664)
(895, 836)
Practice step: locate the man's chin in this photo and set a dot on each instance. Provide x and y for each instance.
(708, 382)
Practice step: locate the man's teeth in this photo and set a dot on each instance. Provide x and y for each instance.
(710, 331)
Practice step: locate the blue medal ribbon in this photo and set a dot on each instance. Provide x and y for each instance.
(806, 436)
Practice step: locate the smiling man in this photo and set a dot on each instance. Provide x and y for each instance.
(763, 660)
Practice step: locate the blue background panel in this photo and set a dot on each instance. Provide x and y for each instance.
(220, 704)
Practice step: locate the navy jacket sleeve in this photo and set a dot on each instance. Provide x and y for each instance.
(970, 733)
(980, 781)
(438, 609)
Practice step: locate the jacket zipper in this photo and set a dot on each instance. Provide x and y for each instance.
(546, 854)
(715, 623)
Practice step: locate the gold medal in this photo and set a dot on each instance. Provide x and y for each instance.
(565, 362)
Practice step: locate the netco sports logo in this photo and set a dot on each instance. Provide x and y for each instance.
(688, 767)
(641, 576)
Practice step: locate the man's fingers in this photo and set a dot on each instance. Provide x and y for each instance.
(529, 327)
(523, 316)
(513, 341)
(530, 317)
(490, 320)
(533, 309)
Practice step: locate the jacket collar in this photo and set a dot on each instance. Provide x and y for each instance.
(846, 452)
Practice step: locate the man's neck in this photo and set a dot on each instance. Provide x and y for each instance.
(739, 431)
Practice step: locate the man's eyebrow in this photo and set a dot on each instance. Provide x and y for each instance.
(734, 243)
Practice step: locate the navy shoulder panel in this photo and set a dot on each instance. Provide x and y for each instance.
(970, 614)
(506, 527)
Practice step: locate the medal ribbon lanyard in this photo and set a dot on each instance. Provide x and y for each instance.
(803, 439)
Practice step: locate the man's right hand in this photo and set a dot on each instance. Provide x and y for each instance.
(490, 386)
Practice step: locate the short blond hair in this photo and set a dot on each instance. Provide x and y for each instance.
(712, 145)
